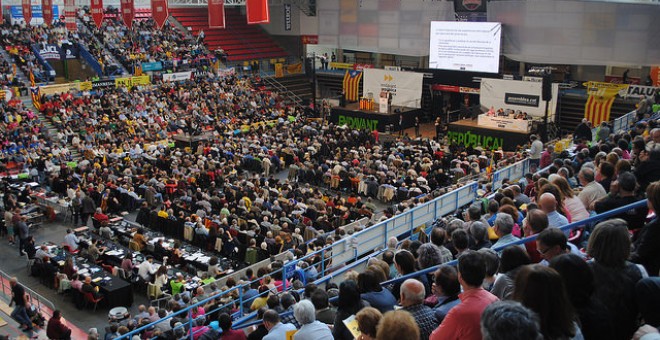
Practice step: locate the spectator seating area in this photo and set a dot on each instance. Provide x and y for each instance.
(240, 41)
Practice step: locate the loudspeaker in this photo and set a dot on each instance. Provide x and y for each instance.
(546, 93)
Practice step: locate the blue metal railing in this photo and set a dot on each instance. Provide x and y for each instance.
(567, 227)
(89, 58)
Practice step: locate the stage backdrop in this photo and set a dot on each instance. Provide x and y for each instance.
(517, 95)
(405, 86)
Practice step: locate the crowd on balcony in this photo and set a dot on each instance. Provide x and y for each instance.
(146, 43)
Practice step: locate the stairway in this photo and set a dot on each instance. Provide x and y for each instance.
(51, 130)
(19, 73)
(84, 29)
(241, 41)
(296, 87)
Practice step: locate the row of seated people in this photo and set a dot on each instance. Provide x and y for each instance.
(145, 42)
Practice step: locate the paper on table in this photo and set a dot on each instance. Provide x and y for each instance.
(96, 280)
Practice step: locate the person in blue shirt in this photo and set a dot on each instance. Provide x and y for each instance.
(276, 329)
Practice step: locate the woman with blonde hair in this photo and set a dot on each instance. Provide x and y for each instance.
(368, 319)
(397, 325)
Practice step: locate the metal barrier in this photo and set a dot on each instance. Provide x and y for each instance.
(567, 227)
(513, 172)
(624, 122)
(43, 305)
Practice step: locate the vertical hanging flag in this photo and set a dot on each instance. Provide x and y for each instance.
(70, 15)
(47, 11)
(257, 11)
(1, 15)
(127, 12)
(351, 85)
(160, 12)
(27, 11)
(35, 93)
(97, 12)
(601, 97)
(32, 80)
(217, 13)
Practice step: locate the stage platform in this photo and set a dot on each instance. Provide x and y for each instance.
(354, 118)
(467, 132)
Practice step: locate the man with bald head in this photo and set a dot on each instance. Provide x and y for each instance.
(412, 300)
(591, 190)
(548, 203)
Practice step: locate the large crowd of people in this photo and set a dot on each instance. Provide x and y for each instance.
(596, 281)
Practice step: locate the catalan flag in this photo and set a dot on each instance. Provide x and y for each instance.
(352, 85)
(32, 82)
(36, 97)
(600, 100)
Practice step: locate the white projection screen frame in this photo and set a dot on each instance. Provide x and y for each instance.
(465, 46)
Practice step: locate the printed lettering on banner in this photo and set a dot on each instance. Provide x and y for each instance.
(97, 12)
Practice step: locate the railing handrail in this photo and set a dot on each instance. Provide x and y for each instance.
(34, 296)
(524, 240)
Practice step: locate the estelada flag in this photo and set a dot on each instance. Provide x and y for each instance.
(160, 12)
(217, 13)
(351, 85)
(35, 92)
(128, 12)
(47, 11)
(26, 6)
(96, 7)
(601, 97)
(32, 81)
(257, 11)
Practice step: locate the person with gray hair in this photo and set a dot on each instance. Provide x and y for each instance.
(509, 320)
(310, 329)
(412, 301)
(392, 242)
(503, 227)
(479, 233)
(591, 190)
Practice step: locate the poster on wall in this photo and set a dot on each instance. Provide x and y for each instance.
(406, 87)
(515, 95)
(287, 17)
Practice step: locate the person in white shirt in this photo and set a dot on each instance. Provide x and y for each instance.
(71, 240)
(146, 269)
(592, 191)
(535, 152)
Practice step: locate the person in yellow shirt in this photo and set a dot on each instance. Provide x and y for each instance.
(162, 213)
(262, 299)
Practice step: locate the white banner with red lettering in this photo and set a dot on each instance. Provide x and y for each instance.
(70, 15)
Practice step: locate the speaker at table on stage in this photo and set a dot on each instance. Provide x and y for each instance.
(546, 93)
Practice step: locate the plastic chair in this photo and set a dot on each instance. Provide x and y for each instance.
(68, 249)
(89, 298)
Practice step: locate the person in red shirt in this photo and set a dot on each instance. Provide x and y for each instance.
(100, 216)
(463, 321)
(56, 329)
(224, 321)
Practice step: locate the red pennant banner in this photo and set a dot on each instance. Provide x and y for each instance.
(97, 12)
(1, 15)
(27, 11)
(70, 15)
(128, 12)
(160, 12)
(216, 13)
(47, 11)
(257, 11)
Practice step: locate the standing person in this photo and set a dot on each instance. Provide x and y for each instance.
(23, 234)
(438, 128)
(76, 206)
(400, 123)
(88, 207)
(582, 131)
(9, 225)
(417, 127)
(19, 298)
(535, 152)
(56, 329)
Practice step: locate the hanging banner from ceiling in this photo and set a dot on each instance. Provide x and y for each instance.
(128, 12)
(216, 14)
(97, 12)
(160, 12)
